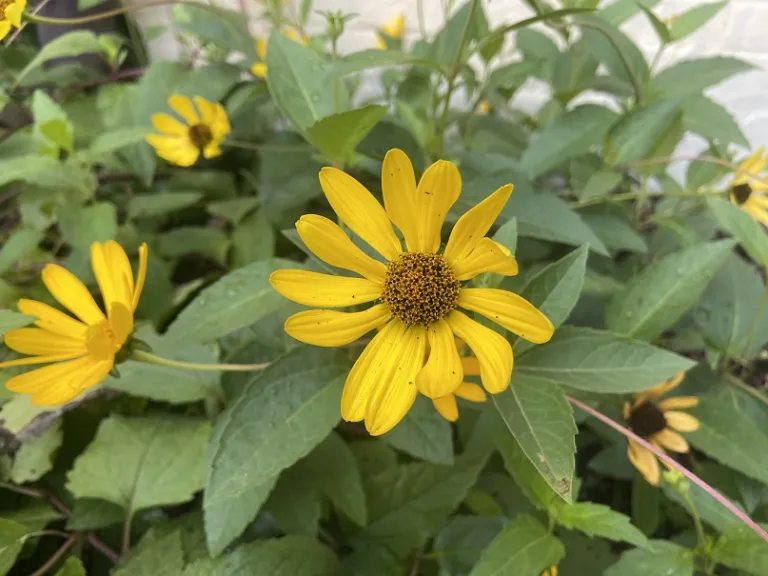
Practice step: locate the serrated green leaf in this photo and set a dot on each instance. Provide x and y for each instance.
(599, 520)
(295, 501)
(12, 320)
(635, 135)
(12, 535)
(338, 135)
(460, 542)
(695, 76)
(659, 295)
(157, 553)
(743, 227)
(740, 548)
(94, 514)
(35, 457)
(423, 434)
(525, 474)
(72, 567)
(18, 245)
(663, 558)
(711, 121)
(691, 20)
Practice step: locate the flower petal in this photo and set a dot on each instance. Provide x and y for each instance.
(259, 69)
(207, 111)
(493, 352)
(359, 210)
(39, 342)
(334, 328)
(757, 212)
(103, 275)
(447, 407)
(185, 155)
(488, 256)
(121, 320)
(442, 373)
(141, 276)
(329, 243)
(221, 126)
(53, 320)
(398, 185)
(678, 402)
(439, 188)
(5, 27)
(79, 380)
(31, 360)
(474, 224)
(37, 380)
(659, 390)
(168, 125)
(471, 392)
(71, 293)
(681, 421)
(511, 311)
(470, 365)
(324, 290)
(13, 14)
(672, 441)
(183, 107)
(645, 462)
(754, 164)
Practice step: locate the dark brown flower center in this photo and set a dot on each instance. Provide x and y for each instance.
(647, 420)
(741, 193)
(420, 288)
(200, 134)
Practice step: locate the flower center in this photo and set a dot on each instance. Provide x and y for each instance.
(101, 341)
(741, 193)
(200, 134)
(420, 288)
(647, 420)
(3, 5)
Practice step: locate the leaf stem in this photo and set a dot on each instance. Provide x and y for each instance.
(731, 379)
(73, 538)
(700, 534)
(147, 358)
(37, 19)
(126, 541)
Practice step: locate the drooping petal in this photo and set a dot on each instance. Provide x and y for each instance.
(438, 190)
(474, 224)
(511, 311)
(5, 27)
(103, 275)
(79, 380)
(52, 320)
(470, 365)
(39, 342)
(359, 210)
(672, 441)
(681, 421)
(120, 269)
(37, 380)
(212, 150)
(677, 403)
(71, 293)
(488, 256)
(471, 392)
(121, 319)
(443, 372)
(754, 164)
(645, 462)
(31, 360)
(334, 328)
(493, 352)
(221, 126)
(329, 243)
(183, 107)
(13, 13)
(398, 185)
(168, 125)
(324, 290)
(141, 276)
(447, 407)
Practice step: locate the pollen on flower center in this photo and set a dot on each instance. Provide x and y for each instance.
(647, 420)
(200, 134)
(741, 193)
(420, 288)
(101, 341)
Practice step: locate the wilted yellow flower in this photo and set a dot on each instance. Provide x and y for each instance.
(418, 291)
(658, 422)
(260, 68)
(749, 194)
(80, 352)
(10, 15)
(394, 29)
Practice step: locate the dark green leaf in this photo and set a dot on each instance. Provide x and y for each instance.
(93, 514)
(743, 227)
(148, 205)
(70, 44)
(157, 553)
(72, 567)
(18, 245)
(600, 184)
(234, 209)
(12, 537)
(35, 516)
(599, 520)
(694, 76)
(613, 228)
(338, 135)
(525, 474)
(640, 131)
(460, 542)
(664, 558)
(185, 240)
(423, 434)
(295, 501)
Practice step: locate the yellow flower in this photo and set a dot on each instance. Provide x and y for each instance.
(658, 422)
(259, 69)
(551, 571)
(10, 15)
(80, 352)
(206, 127)
(749, 194)
(418, 291)
(394, 29)
(483, 107)
(447, 405)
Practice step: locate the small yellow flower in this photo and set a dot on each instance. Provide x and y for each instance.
(749, 194)
(551, 571)
(418, 291)
(393, 29)
(80, 352)
(658, 422)
(10, 15)
(483, 107)
(206, 127)
(259, 69)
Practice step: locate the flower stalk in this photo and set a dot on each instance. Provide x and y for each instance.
(148, 358)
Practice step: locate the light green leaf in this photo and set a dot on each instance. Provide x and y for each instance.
(695, 76)
(51, 123)
(598, 361)
(109, 142)
(283, 413)
(234, 209)
(338, 135)
(223, 28)
(149, 205)
(12, 320)
(599, 520)
(740, 548)
(620, 11)
(423, 434)
(184, 240)
(35, 516)
(541, 420)
(658, 26)
(613, 228)
(523, 548)
(691, 20)
(12, 537)
(18, 412)
(640, 131)
(660, 294)
(142, 462)
(295, 501)
(35, 457)
(506, 235)
(711, 121)
(743, 227)
(70, 44)
(525, 474)
(600, 184)
(157, 553)
(93, 514)
(82, 225)
(44, 171)
(72, 567)
(369, 59)
(18, 245)
(663, 558)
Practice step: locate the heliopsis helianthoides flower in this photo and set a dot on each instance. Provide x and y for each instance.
(204, 128)
(10, 15)
(551, 571)
(417, 292)
(80, 351)
(749, 194)
(259, 69)
(447, 405)
(393, 29)
(659, 422)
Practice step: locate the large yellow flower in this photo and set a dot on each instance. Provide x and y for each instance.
(10, 15)
(206, 127)
(394, 29)
(259, 69)
(80, 352)
(418, 292)
(749, 194)
(658, 422)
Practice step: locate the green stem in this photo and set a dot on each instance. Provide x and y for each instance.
(37, 19)
(265, 147)
(643, 194)
(731, 379)
(700, 534)
(148, 358)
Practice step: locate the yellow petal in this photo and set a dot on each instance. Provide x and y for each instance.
(659, 390)
(359, 210)
(470, 366)
(168, 125)
(5, 27)
(103, 275)
(212, 150)
(38, 380)
(184, 155)
(645, 462)
(259, 69)
(121, 320)
(672, 441)
(474, 224)
(207, 111)
(183, 107)
(71, 293)
(471, 392)
(493, 352)
(754, 164)
(398, 185)
(141, 277)
(13, 14)
(757, 212)
(78, 381)
(678, 402)
(221, 126)
(447, 407)
(442, 373)
(31, 360)
(329, 243)
(333, 328)
(120, 268)
(324, 290)
(438, 190)
(488, 256)
(52, 320)
(39, 342)
(681, 421)
(511, 311)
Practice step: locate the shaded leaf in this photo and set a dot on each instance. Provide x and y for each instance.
(635, 135)
(12, 320)
(740, 548)
(743, 227)
(461, 541)
(423, 434)
(599, 520)
(12, 535)
(663, 558)
(35, 457)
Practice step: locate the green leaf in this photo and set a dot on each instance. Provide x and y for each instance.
(541, 420)
(743, 227)
(157, 553)
(461, 541)
(369, 59)
(72, 567)
(613, 227)
(338, 135)
(12, 320)
(183, 240)
(525, 474)
(640, 131)
(621, 10)
(283, 413)
(235, 301)
(35, 457)
(423, 434)
(52, 123)
(598, 361)
(658, 26)
(35, 516)
(711, 121)
(295, 501)
(223, 28)
(660, 294)
(691, 20)
(44, 171)
(93, 514)
(18, 245)
(114, 140)
(599, 520)
(523, 548)
(149, 205)
(142, 462)
(83, 225)
(600, 184)
(572, 134)
(740, 548)
(663, 558)
(695, 76)
(12, 536)
(253, 240)
(234, 209)
(69, 44)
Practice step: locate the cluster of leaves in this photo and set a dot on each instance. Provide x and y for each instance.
(184, 473)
